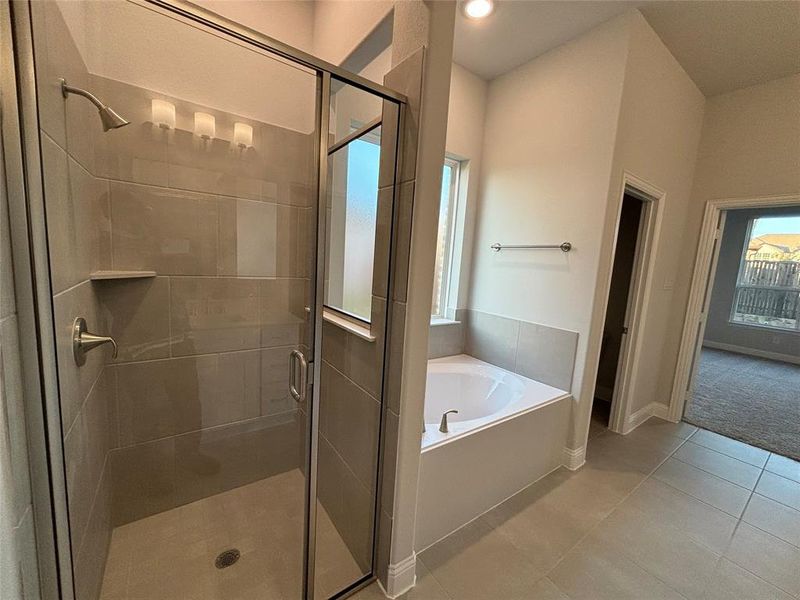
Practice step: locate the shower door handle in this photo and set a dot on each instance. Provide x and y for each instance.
(298, 389)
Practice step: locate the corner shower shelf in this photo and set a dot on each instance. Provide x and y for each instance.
(106, 275)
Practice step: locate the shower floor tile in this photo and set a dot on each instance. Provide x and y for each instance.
(171, 555)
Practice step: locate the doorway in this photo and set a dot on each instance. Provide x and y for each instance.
(219, 436)
(746, 371)
(618, 308)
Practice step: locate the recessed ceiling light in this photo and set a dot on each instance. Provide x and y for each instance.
(478, 9)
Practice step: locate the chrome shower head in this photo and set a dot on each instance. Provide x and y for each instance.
(110, 119)
(108, 116)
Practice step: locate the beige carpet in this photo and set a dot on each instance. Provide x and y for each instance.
(753, 400)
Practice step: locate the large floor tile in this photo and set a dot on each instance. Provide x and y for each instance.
(640, 451)
(721, 465)
(773, 517)
(731, 581)
(592, 572)
(785, 467)
(545, 520)
(477, 563)
(704, 486)
(702, 522)
(766, 556)
(662, 550)
(659, 427)
(780, 489)
(720, 443)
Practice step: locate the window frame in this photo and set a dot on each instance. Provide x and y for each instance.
(358, 132)
(445, 291)
(739, 285)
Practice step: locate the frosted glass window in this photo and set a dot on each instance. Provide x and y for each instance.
(352, 217)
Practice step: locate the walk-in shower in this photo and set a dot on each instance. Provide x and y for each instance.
(244, 180)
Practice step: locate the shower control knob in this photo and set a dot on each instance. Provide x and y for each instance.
(83, 341)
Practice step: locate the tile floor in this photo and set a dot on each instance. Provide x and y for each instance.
(668, 511)
(170, 556)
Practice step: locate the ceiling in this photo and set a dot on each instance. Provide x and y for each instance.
(722, 44)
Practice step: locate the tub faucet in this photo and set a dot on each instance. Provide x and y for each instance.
(443, 425)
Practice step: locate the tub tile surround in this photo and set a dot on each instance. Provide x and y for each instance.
(533, 350)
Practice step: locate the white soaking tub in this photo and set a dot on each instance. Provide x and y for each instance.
(509, 431)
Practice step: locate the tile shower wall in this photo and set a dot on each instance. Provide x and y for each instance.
(543, 353)
(196, 401)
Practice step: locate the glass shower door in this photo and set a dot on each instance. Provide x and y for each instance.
(182, 224)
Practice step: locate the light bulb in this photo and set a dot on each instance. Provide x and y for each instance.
(478, 9)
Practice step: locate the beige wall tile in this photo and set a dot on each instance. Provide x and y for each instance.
(12, 404)
(86, 446)
(137, 152)
(90, 560)
(248, 238)
(166, 397)
(168, 231)
(75, 382)
(137, 315)
(77, 218)
(406, 78)
(282, 311)
(214, 315)
(352, 421)
(144, 480)
(275, 396)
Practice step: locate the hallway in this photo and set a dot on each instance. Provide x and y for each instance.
(668, 511)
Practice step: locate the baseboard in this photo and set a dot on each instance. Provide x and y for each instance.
(753, 352)
(654, 409)
(574, 459)
(400, 577)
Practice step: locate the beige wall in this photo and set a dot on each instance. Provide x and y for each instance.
(341, 25)
(548, 149)
(465, 126)
(657, 139)
(560, 132)
(287, 21)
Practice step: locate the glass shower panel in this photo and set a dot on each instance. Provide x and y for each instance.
(358, 216)
(187, 235)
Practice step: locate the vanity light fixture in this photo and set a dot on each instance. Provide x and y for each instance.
(242, 135)
(163, 113)
(204, 125)
(478, 9)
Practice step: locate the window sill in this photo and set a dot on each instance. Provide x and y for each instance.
(358, 330)
(437, 321)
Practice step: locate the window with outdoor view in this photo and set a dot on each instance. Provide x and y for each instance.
(768, 284)
(444, 242)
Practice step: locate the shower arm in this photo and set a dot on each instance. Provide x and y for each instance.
(66, 90)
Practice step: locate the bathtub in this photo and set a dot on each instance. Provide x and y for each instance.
(509, 431)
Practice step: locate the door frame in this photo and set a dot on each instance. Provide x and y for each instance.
(652, 197)
(702, 281)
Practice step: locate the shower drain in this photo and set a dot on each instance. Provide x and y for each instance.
(227, 558)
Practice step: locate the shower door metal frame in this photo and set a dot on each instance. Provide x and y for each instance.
(58, 564)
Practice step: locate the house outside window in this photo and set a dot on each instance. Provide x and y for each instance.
(768, 282)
